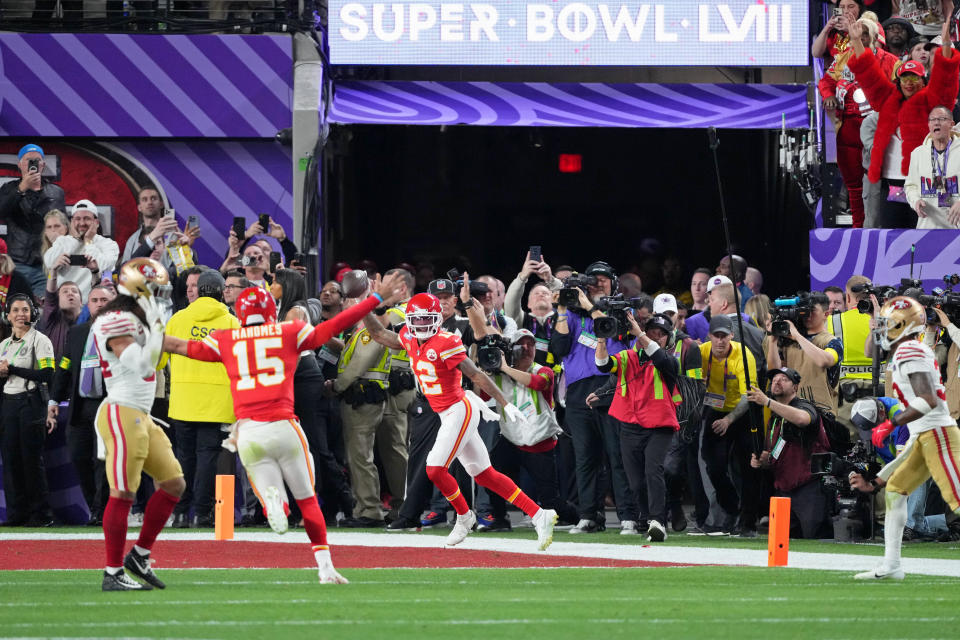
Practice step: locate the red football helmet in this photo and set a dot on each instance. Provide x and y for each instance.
(424, 316)
(255, 306)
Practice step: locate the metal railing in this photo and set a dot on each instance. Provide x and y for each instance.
(179, 16)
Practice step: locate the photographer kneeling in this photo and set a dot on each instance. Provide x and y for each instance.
(530, 387)
(644, 402)
(794, 433)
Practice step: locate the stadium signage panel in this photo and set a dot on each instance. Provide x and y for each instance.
(561, 33)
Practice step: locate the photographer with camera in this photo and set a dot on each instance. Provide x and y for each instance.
(593, 431)
(644, 402)
(934, 443)
(726, 428)
(530, 445)
(815, 354)
(793, 434)
(23, 205)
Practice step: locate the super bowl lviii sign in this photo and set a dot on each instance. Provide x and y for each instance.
(749, 33)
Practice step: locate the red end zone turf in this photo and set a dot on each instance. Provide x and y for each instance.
(172, 554)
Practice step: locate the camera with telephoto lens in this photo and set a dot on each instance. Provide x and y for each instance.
(489, 350)
(866, 304)
(796, 309)
(850, 508)
(947, 301)
(569, 297)
(615, 323)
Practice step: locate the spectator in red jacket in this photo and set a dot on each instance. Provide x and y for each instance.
(848, 106)
(903, 106)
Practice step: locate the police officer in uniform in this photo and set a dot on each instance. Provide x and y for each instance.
(363, 377)
(852, 328)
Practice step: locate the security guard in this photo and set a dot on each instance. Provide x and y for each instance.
(201, 403)
(852, 328)
(363, 380)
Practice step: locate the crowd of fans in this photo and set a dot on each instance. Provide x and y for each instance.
(645, 392)
(889, 64)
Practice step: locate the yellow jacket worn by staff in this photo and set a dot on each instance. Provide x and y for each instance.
(200, 391)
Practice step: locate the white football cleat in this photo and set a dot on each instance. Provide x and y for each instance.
(462, 528)
(273, 504)
(543, 522)
(881, 573)
(329, 575)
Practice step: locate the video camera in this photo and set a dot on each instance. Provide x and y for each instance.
(489, 350)
(947, 300)
(615, 323)
(796, 309)
(568, 295)
(851, 509)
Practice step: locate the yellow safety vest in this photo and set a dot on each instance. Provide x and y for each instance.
(696, 374)
(852, 328)
(379, 372)
(399, 356)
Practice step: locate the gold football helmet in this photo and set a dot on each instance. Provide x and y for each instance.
(143, 277)
(899, 317)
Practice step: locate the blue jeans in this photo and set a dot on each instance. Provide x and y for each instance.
(36, 277)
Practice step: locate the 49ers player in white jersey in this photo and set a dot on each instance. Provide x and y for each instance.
(260, 359)
(438, 358)
(934, 445)
(128, 334)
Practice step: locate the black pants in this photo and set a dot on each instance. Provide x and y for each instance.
(23, 419)
(423, 424)
(682, 469)
(82, 443)
(331, 479)
(508, 459)
(718, 452)
(894, 215)
(644, 451)
(198, 448)
(594, 434)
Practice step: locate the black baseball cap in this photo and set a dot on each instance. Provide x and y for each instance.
(441, 285)
(787, 371)
(721, 324)
(661, 322)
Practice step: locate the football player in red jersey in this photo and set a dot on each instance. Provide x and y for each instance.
(439, 360)
(260, 358)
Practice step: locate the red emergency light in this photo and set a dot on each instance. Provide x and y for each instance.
(570, 163)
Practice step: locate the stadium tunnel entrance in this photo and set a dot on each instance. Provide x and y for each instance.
(476, 197)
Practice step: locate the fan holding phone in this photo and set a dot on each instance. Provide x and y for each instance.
(83, 253)
(23, 204)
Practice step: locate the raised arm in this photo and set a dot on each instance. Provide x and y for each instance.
(481, 380)
(385, 293)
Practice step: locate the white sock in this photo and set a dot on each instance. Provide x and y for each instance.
(114, 570)
(893, 524)
(323, 559)
(140, 550)
(538, 515)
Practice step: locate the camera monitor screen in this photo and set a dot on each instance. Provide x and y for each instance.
(743, 33)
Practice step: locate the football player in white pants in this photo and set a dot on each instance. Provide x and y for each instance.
(260, 359)
(934, 445)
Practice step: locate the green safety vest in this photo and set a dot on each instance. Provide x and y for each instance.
(379, 372)
(659, 388)
(399, 355)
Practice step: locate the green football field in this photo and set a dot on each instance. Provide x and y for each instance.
(669, 602)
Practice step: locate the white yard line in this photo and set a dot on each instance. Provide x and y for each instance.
(649, 553)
